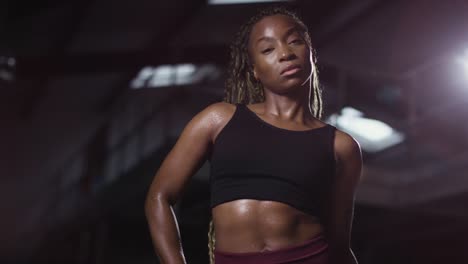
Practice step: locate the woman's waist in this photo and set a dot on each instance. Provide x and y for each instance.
(251, 225)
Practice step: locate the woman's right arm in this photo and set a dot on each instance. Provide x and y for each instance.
(186, 157)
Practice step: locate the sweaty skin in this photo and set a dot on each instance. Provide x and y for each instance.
(253, 226)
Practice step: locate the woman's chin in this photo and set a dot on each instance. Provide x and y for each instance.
(296, 82)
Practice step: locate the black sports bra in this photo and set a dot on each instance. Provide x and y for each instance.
(252, 159)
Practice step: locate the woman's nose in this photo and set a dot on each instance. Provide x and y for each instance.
(286, 54)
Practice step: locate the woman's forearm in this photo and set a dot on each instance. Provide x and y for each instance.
(164, 231)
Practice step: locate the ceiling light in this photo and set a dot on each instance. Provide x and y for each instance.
(373, 135)
(463, 61)
(173, 75)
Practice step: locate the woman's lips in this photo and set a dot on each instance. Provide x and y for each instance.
(291, 70)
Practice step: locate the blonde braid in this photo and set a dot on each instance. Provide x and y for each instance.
(211, 242)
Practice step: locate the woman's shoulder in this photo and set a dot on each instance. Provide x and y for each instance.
(345, 145)
(219, 111)
(221, 108)
(218, 114)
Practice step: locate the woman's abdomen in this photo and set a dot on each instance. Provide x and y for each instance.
(251, 226)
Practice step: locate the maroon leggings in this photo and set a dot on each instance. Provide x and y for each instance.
(313, 251)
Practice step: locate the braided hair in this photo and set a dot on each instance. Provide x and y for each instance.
(241, 85)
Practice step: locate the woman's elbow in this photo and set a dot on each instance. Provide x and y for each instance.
(154, 201)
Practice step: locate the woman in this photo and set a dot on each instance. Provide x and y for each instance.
(282, 181)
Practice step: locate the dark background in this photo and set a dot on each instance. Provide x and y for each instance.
(79, 147)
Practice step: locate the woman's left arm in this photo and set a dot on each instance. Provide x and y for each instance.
(348, 173)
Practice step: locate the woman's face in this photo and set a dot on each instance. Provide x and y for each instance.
(279, 53)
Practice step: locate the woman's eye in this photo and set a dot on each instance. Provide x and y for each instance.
(265, 51)
(296, 41)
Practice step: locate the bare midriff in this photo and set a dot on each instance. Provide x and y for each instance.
(247, 225)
